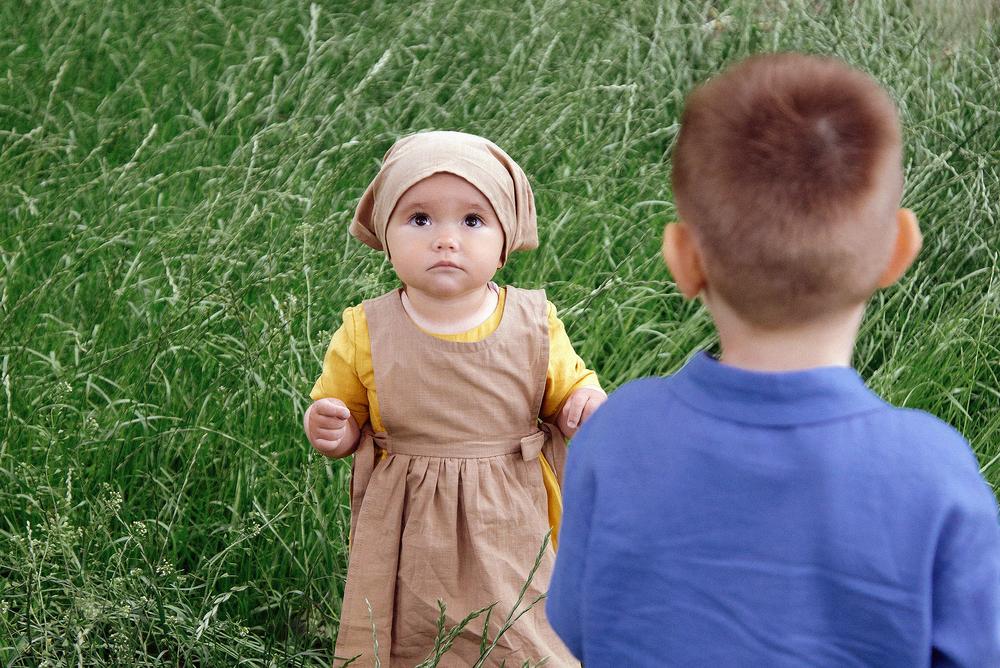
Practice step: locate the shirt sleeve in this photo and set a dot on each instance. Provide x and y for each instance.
(567, 371)
(565, 603)
(339, 378)
(966, 597)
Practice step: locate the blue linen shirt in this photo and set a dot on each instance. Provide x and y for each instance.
(723, 517)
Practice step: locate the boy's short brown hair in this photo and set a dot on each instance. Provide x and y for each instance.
(788, 170)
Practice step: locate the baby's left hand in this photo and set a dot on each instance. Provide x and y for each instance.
(581, 403)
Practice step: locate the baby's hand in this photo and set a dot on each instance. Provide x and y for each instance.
(580, 405)
(330, 428)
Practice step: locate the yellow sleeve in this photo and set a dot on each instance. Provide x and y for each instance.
(340, 378)
(566, 371)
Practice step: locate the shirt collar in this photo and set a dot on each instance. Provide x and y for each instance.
(772, 398)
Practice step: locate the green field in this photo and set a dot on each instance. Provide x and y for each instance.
(176, 180)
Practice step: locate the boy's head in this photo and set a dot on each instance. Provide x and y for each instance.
(787, 176)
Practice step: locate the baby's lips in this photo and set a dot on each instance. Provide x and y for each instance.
(445, 264)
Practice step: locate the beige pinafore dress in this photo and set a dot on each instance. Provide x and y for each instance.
(448, 503)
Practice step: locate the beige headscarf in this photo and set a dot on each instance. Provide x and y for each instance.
(477, 160)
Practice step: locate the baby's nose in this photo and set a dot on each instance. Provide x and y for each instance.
(445, 241)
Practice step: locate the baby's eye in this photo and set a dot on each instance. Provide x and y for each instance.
(420, 219)
(472, 220)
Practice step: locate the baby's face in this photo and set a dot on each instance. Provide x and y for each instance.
(444, 238)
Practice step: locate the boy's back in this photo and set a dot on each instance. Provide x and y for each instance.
(722, 517)
(767, 509)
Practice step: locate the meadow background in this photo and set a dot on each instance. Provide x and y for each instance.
(176, 180)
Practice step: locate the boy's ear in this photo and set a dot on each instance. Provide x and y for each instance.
(904, 251)
(683, 259)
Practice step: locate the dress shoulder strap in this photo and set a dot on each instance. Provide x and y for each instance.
(380, 310)
(531, 304)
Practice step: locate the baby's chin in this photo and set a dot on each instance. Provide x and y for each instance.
(455, 284)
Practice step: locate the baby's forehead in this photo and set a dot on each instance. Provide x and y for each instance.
(444, 188)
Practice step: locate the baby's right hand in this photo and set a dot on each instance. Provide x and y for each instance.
(330, 428)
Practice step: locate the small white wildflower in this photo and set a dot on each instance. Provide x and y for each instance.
(112, 498)
(251, 530)
(61, 390)
(165, 569)
(90, 609)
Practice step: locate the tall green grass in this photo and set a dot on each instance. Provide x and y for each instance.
(176, 180)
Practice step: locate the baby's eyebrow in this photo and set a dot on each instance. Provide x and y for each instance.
(477, 208)
(472, 206)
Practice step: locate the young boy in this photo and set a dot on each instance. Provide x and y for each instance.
(771, 510)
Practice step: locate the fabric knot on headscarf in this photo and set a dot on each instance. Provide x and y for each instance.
(475, 159)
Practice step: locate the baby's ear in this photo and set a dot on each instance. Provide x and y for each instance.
(680, 252)
(904, 250)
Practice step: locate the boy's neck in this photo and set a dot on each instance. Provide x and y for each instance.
(452, 314)
(827, 342)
